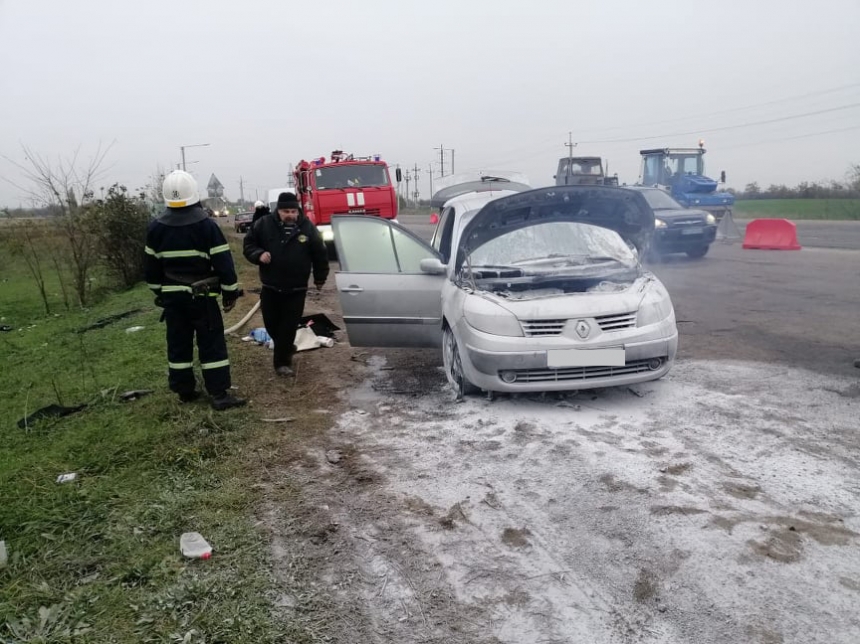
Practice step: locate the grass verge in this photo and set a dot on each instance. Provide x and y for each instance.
(97, 560)
(821, 209)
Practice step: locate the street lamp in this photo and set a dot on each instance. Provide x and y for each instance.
(182, 150)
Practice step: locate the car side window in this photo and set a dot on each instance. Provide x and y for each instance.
(442, 237)
(437, 233)
(410, 251)
(370, 249)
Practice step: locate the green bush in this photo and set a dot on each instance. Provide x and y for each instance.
(118, 224)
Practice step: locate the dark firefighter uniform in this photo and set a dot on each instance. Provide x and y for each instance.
(296, 250)
(260, 211)
(188, 265)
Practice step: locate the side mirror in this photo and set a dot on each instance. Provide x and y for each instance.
(432, 266)
(434, 218)
(399, 175)
(723, 176)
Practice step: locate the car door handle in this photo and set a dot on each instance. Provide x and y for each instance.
(352, 289)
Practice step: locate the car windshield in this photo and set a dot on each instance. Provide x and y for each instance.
(659, 200)
(565, 247)
(350, 176)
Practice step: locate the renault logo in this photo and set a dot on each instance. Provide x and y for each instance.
(582, 329)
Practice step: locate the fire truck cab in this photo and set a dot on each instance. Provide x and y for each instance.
(345, 185)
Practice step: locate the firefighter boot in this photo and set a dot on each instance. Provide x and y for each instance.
(227, 401)
(189, 397)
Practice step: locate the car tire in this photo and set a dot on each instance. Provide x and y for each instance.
(454, 366)
(698, 253)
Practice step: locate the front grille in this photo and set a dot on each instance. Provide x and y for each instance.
(616, 322)
(583, 373)
(542, 328)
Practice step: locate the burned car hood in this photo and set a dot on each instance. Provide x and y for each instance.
(624, 211)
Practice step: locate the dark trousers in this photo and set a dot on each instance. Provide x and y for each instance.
(282, 313)
(186, 318)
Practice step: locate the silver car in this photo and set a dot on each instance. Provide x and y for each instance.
(540, 290)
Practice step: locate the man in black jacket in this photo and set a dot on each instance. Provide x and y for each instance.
(187, 265)
(287, 247)
(260, 210)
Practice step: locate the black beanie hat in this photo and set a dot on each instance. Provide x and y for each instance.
(287, 200)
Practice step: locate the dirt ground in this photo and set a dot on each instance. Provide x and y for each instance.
(719, 504)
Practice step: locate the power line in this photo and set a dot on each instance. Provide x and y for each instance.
(733, 109)
(727, 127)
(513, 153)
(792, 138)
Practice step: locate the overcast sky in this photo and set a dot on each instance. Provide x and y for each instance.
(268, 82)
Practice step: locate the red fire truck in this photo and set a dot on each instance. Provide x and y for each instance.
(345, 185)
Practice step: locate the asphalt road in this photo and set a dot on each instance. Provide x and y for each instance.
(811, 234)
(796, 307)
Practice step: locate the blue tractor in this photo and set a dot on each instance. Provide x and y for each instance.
(681, 171)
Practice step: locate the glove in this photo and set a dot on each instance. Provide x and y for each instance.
(159, 301)
(229, 303)
(319, 285)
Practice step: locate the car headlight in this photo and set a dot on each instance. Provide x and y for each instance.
(711, 219)
(488, 317)
(655, 307)
(659, 223)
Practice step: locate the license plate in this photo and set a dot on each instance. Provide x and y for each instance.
(561, 358)
(694, 230)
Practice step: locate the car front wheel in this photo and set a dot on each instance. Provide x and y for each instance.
(454, 366)
(698, 253)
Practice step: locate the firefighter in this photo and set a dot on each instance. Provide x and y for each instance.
(260, 210)
(188, 264)
(288, 248)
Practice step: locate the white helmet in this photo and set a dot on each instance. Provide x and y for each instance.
(179, 189)
(258, 204)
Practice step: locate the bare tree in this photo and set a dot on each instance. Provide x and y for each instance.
(67, 185)
(25, 240)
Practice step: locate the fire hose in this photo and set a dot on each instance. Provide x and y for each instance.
(244, 320)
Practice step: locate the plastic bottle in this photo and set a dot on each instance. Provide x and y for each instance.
(4, 556)
(194, 546)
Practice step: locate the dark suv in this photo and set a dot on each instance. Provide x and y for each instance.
(678, 229)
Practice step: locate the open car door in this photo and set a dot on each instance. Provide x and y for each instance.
(387, 300)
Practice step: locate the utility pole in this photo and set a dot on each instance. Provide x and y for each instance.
(415, 172)
(452, 160)
(569, 145)
(408, 179)
(182, 150)
(241, 191)
(441, 149)
(430, 174)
